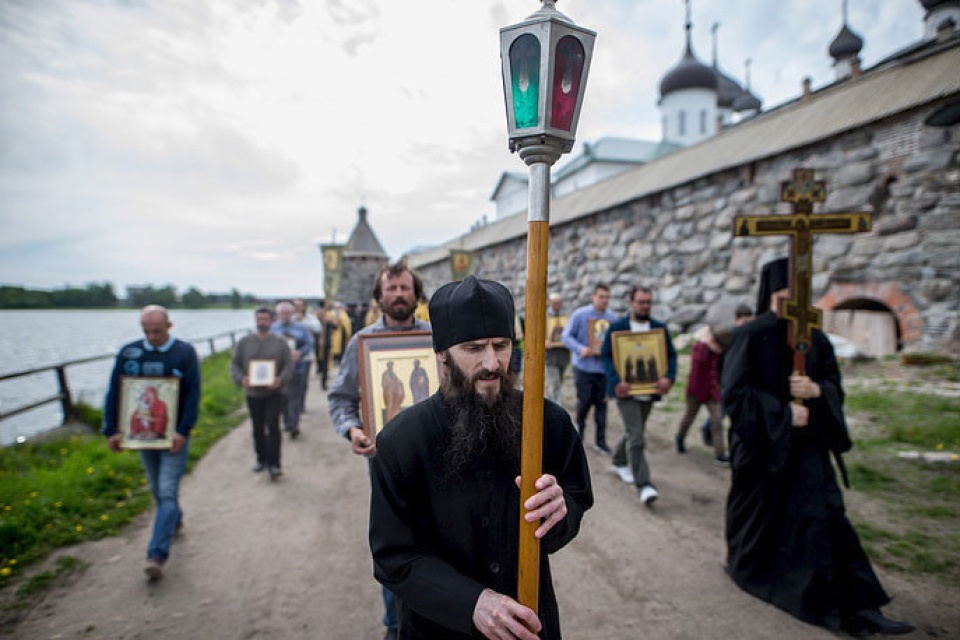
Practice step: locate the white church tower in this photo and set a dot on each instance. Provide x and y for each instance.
(688, 98)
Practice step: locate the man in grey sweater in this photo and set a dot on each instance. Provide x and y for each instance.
(396, 289)
(262, 364)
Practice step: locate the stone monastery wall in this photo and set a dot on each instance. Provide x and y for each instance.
(679, 241)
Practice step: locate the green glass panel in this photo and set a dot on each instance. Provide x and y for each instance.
(525, 80)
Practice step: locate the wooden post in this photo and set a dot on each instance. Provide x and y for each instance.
(531, 450)
(66, 401)
(539, 158)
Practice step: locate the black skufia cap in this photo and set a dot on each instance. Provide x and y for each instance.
(774, 277)
(470, 309)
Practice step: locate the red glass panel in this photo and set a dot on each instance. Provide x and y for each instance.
(567, 73)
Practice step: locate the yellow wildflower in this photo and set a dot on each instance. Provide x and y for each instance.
(5, 572)
(89, 470)
(79, 528)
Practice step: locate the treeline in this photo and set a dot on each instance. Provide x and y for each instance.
(102, 296)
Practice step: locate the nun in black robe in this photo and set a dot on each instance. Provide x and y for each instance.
(789, 541)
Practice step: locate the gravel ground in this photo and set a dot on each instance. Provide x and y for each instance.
(289, 560)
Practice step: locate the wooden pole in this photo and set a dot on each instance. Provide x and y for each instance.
(531, 446)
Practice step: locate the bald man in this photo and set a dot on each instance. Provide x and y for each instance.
(158, 354)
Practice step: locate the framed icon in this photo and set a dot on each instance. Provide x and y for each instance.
(555, 326)
(261, 373)
(640, 358)
(596, 331)
(148, 411)
(397, 370)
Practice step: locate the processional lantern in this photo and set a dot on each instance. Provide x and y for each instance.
(544, 61)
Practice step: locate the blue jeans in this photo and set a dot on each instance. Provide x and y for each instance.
(389, 609)
(164, 470)
(389, 599)
(295, 395)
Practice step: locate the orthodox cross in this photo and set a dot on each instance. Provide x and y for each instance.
(801, 225)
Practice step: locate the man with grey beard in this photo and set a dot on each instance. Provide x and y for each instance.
(445, 503)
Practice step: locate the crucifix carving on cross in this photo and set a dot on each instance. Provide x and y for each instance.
(801, 225)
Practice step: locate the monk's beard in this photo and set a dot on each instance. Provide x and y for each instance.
(481, 425)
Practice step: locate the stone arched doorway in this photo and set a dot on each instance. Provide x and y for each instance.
(877, 317)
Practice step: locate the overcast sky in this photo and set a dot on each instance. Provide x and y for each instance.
(215, 143)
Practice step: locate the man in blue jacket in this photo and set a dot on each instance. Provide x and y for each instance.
(158, 354)
(629, 461)
(301, 342)
(582, 337)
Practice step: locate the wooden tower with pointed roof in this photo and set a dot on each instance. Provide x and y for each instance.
(363, 256)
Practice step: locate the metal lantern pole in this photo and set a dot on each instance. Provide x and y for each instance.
(545, 60)
(539, 159)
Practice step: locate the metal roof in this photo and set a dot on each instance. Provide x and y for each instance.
(363, 241)
(916, 80)
(614, 150)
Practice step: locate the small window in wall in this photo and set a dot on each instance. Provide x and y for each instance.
(703, 121)
(682, 123)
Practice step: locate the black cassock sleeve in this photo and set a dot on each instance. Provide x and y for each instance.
(428, 535)
(755, 391)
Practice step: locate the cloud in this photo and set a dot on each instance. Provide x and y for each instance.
(215, 143)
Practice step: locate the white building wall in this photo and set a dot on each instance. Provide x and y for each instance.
(690, 115)
(512, 198)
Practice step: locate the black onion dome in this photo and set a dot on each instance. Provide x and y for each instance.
(746, 101)
(689, 73)
(847, 43)
(728, 89)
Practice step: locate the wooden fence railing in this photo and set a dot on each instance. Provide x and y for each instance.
(63, 395)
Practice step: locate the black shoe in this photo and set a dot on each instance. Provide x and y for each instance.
(602, 448)
(707, 435)
(294, 434)
(722, 461)
(275, 472)
(391, 634)
(257, 468)
(872, 621)
(681, 448)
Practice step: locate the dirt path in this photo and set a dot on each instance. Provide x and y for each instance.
(289, 560)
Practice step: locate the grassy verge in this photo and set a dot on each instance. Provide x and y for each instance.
(66, 491)
(907, 511)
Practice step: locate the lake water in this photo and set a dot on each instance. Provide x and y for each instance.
(31, 339)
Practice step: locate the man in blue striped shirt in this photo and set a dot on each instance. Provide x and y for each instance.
(583, 335)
